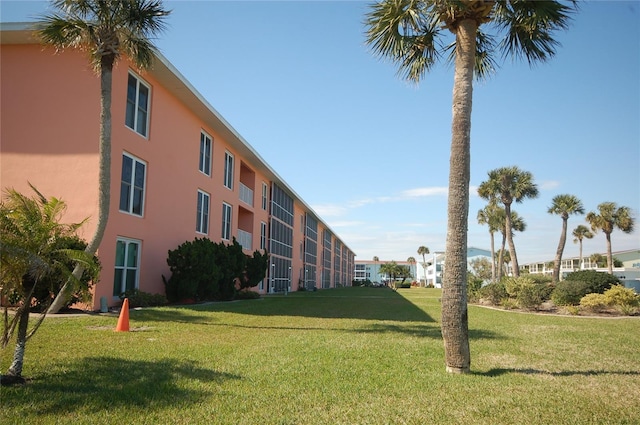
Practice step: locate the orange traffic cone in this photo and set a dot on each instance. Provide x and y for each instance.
(123, 320)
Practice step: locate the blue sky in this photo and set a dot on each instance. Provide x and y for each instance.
(370, 152)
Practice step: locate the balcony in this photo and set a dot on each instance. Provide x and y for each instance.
(245, 239)
(246, 195)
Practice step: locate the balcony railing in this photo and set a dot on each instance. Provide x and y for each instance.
(246, 195)
(245, 239)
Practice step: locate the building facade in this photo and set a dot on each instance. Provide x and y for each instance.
(179, 171)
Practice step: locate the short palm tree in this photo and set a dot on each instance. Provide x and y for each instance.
(411, 33)
(376, 271)
(579, 233)
(30, 230)
(563, 205)
(423, 250)
(506, 185)
(493, 216)
(609, 217)
(107, 30)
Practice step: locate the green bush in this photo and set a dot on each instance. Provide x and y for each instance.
(494, 292)
(570, 292)
(143, 299)
(597, 282)
(247, 295)
(532, 295)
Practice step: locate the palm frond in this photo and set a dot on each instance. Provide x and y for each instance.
(529, 27)
(406, 32)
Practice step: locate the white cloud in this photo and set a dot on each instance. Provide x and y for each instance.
(549, 184)
(424, 191)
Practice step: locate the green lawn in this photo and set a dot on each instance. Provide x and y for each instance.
(340, 356)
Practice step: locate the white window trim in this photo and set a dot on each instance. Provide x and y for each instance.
(135, 115)
(144, 188)
(228, 173)
(227, 207)
(207, 136)
(128, 241)
(199, 215)
(265, 196)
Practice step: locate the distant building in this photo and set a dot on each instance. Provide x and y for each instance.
(429, 274)
(629, 271)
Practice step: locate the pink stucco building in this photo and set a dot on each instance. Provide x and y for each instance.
(179, 171)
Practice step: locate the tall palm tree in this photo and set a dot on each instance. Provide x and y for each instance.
(410, 32)
(30, 252)
(412, 262)
(611, 216)
(491, 215)
(518, 225)
(506, 185)
(375, 262)
(423, 250)
(107, 30)
(579, 233)
(563, 205)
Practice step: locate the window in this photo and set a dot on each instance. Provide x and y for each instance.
(228, 170)
(137, 116)
(125, 277)
(263, 235)
(132, 185)
(202, 213)
(205, 154)
(265, 191)
(226, 221)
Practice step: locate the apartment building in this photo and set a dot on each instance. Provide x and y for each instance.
(179, 171)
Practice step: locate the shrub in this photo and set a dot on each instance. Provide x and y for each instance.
(593, 302)
(533, 294)
(474, 283)
(494, 292)
(247, 295)
(570, 292)
(597, 282)
(509, 303)
(625, 300)
(143, 299)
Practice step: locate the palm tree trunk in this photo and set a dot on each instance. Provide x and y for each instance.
(104, 180)
(609, 255)
(512, 247)
(455, 321)
(501, 257)
(559, 251)
(15, 370)
(493, 259)
(581, 262)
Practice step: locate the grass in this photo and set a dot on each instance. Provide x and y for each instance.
(341, 356)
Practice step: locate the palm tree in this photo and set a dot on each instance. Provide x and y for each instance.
(423, 250)
(107, 30)
(579, 233)
(509, 184)
(412, 262)
(409, 33)
(375, 261)
(610, 217)
(30, 231)
(563, 205)
(491, 215)
(517, 224)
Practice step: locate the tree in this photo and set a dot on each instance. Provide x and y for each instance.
(506, 185)
(106, 30)
(423, 250)
(376, 271)
(609, 217)
(411, 261)
(579, 233)
(563, 205)
(30, 255)
(492, 216)
(409, 32)
(517, 224)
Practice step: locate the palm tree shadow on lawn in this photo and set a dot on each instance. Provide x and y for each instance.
(103, 383)
(529, 371)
